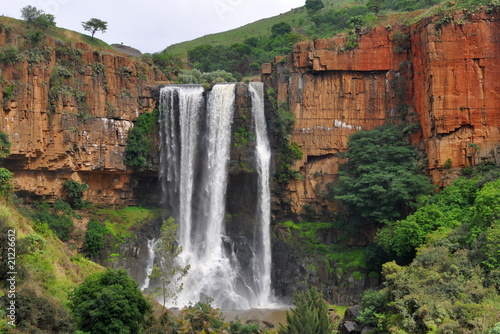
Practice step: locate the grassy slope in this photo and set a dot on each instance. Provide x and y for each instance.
(59, 34)
(296, 18)
(51, 268)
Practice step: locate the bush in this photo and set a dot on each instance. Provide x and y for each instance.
(380, 179)
(310, 315)
(141, 141)
(57, 217)
(109, 302)
(74, 191)
(39, 314)
(95, 238)
(6, 185)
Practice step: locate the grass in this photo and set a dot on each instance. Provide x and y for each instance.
(296, 17)
(49, 266)
(59, 34)
(337, 256)
(123, 221)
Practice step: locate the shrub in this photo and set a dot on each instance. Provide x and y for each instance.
(109, 302)
(200, 317)
(141, 140)
(57, 217)
(310, 315)
(95, 238)
(39, 314)
(314, 6)
(6, 185)
(74, 191)
(5, 143)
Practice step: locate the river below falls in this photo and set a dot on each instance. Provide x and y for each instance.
(274, 316)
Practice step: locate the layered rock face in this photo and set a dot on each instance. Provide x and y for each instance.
(445, 78)
(457, 91)
(68, 110)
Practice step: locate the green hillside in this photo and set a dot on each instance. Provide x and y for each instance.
(300, 20)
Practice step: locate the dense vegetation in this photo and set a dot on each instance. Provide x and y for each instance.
(381, 177)
(453, 283)
(142, 141)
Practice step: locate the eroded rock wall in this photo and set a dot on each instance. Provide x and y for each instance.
(68, 109)
(446, 78)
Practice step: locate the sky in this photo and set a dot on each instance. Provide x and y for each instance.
(152, 25)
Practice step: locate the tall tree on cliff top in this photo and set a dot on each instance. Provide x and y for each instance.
(93, 25)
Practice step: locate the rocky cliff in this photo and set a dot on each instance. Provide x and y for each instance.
(444, 77)
(67, 108)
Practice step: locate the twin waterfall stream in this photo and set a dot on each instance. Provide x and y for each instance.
(195, 153)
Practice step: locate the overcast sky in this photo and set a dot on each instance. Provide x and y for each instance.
(152, 25)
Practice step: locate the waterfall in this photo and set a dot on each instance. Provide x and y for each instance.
(262, 248)
(149, 264)
(195, 150)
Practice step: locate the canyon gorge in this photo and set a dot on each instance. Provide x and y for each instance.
(68, 110)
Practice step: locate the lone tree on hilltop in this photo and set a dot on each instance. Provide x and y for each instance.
(94, 25)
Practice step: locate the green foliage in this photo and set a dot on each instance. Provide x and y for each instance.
(10, 55)
(314, 6)
(93, 25)
(448, 163)
(74, 191)
(195, 76)
(200, 317)
(109, 302)
(6, 184)
(141, 141)
(452, 285)
(334, 21)
(441, 291)
(409, 5)
(39, 314)
(402, 41)
(95, 238)
(242, 136)
(36, 18)
(310, 315)
(281, 28)
(58, 218)
(373, 305)
(170, 64)
(242, 59)
(375, 5)
(380, 178)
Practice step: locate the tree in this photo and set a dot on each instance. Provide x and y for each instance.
(280, 29)
(109, 302)
(168, 270)
(314, 6)
(310, 315)
(37, 18)
(375, 5)
(75, 191)
(93, 25)
(380, 178)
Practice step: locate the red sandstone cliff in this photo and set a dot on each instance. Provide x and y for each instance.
(67, 109)
(450, 77)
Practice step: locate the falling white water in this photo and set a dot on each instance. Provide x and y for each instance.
(262, 249)
(195, 154)
(149, 263)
